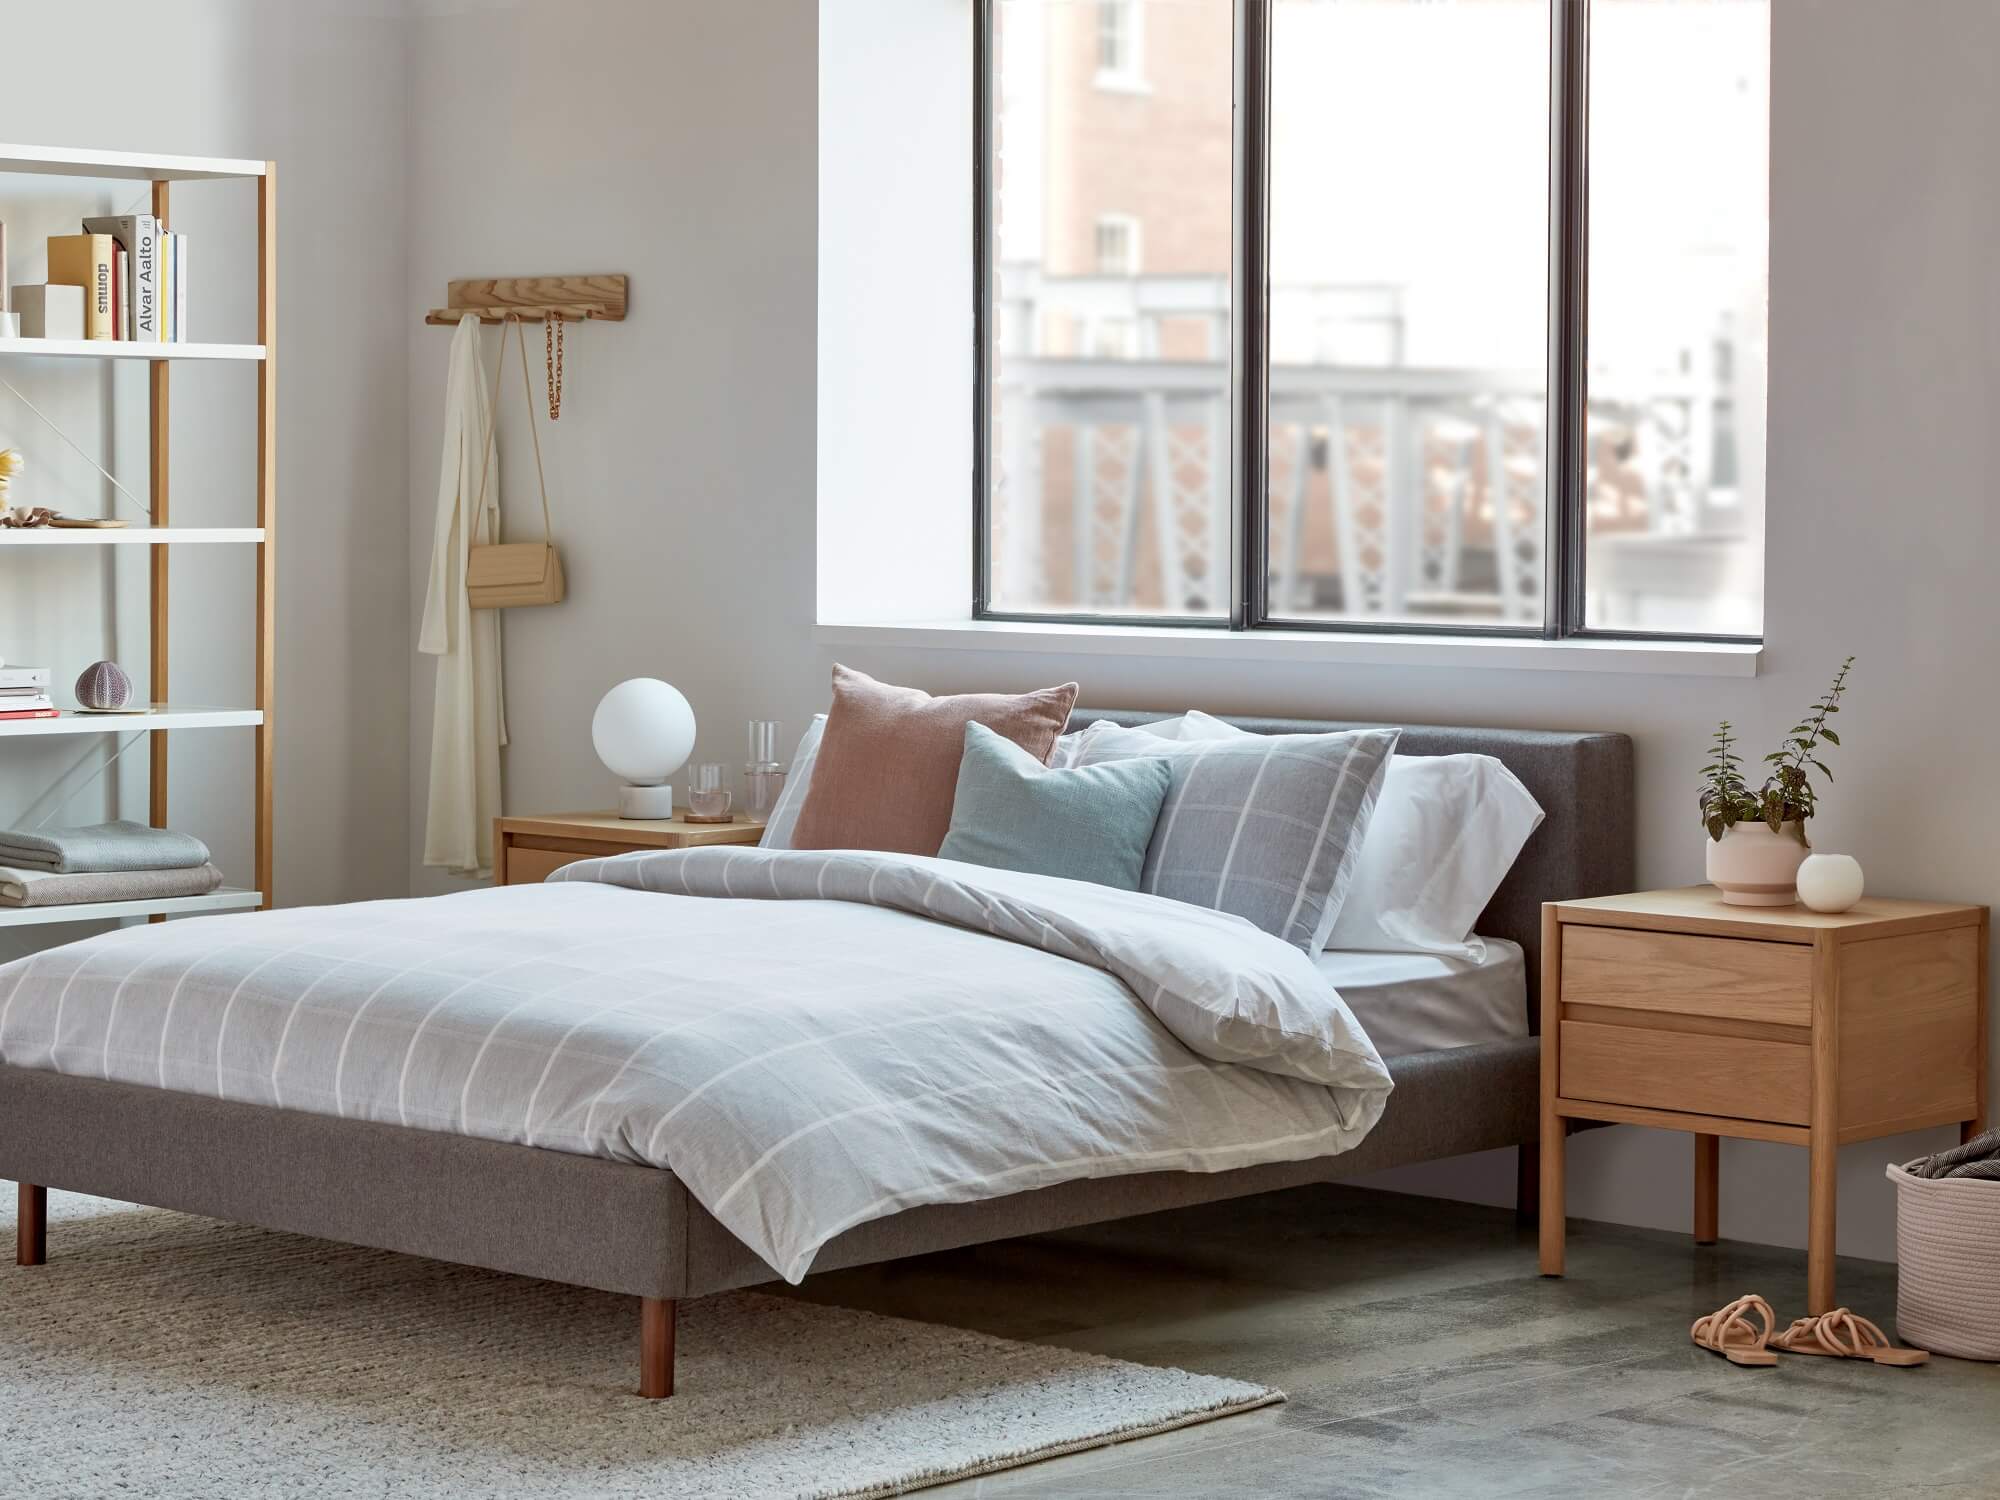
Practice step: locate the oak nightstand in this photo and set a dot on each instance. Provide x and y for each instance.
(1670, 1008)
(527, 850)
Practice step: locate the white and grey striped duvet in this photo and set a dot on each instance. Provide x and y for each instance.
(784, 1031)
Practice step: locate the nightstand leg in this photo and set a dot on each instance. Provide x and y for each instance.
(1824, 1160)
(1553, 1223)
(1553, 1126)
(1707, 1187)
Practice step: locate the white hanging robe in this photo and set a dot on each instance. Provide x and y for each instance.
(468, 723)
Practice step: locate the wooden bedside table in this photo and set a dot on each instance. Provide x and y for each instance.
(1670, 1008)
(526, 850)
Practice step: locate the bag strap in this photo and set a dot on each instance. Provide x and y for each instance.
(534, 432)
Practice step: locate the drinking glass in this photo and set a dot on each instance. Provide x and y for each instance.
(708, 794)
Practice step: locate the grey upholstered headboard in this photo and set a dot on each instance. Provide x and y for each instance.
(1584, 846)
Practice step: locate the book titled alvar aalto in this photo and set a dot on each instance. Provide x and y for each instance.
(140, 235)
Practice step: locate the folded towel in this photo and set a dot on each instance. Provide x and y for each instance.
(1978, 1157)
(43, 888)
(117, 846)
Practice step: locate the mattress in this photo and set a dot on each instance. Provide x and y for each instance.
(1420, 1002)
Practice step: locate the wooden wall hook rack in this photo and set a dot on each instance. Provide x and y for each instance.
(493, 299)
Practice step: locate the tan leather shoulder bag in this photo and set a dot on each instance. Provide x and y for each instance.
(510, 575)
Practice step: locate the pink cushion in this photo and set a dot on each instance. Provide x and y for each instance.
(888, 759)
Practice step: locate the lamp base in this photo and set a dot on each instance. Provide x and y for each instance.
(645, 802)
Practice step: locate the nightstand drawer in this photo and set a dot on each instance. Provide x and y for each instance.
(533, 866)
(1743, 1077)
(1690, 976)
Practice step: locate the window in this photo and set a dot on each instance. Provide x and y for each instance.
(1118, 43)
(1117, 245)
(1351, 388)
(1109, 400)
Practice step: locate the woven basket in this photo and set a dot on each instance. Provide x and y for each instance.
(1948, 1271)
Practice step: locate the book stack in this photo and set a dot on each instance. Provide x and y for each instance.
(132, 272)
(24, 693)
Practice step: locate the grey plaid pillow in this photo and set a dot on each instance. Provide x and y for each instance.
(1267, 826)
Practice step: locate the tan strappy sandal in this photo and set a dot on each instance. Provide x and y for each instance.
(1845, 1334)
(1730, 1333)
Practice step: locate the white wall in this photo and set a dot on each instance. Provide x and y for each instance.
(320, 86)
(1885, 333)
(677, 142)
(895, 216)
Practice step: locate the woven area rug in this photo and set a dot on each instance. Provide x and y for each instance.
(168, 1356)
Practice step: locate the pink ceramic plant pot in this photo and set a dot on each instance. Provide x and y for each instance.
(1753, 866)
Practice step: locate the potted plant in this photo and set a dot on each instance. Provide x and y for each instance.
(1757, 838)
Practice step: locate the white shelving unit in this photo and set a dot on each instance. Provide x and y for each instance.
(126, 349)
(111, 911)
(130, 536)
(130, 166)
(162, 171)
(162, 716)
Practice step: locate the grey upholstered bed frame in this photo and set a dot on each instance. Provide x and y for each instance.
(633, 1229)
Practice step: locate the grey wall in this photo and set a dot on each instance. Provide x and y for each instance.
(679, 142)
(673, 142)
(686, 156)
(1885, 368)
(320, 86)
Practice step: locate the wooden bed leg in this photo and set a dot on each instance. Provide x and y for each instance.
(1528, 1184)
(31, 1230)
(656, 1348)
(1707, 1188)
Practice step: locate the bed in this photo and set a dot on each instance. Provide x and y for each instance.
(632, 1226)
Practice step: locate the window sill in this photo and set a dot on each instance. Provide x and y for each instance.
(1313, 647)
(1112, 82)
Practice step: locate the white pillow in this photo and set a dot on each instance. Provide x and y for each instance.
(1069, 747)
(1446, 830)
(798, 776)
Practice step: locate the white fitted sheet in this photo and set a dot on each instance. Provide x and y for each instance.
(1421, 1002)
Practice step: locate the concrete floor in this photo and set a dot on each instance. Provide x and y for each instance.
(1425, 1357)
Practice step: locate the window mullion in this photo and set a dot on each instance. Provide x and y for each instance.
(1249, 365)
(1567, 417)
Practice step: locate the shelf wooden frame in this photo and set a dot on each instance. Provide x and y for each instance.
(162, 171)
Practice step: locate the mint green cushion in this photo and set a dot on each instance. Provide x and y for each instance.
(1013, 813)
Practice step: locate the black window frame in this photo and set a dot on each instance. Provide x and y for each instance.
(1563, 606)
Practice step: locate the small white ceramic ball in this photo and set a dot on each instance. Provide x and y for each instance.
(643, 731)
(1830, 882)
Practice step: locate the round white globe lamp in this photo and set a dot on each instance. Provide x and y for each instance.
(643, 731)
